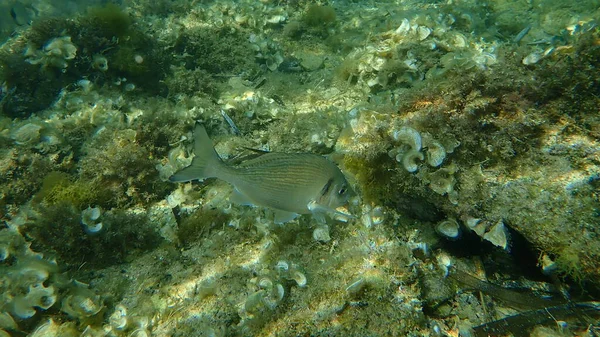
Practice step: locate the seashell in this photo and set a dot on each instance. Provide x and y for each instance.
(442, 181)
(4, 252)
(90, 214)
(118, 319)
(140, 333)
(265, 283)
(548, 265)
(274, 61)
(377, 215)
(411, 64)
(476, 225)
(449, 229)
(275, 297)
(409, 160)
(299, 277)
(497, 235)
(404, 27)
(88, 220)
(485, 59)
(423, 32)
(142, 322)
(356, 286)
(409, 136)
(532, 58)
(445, 263)
(450, 144)
(282, 266)
(377, 63)
(100, 62)
(548, 51)
(27, 134)
(275, 19)
(7, 322)
(280, 292)
(373, 82)
(85, 85)
(458, 40)
(41, 297)
(49, 328)
(240, 19)
(253, 301)
(435, 154)
(374, 216)
(22, 308)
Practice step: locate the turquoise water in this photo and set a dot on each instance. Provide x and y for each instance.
(468, 133)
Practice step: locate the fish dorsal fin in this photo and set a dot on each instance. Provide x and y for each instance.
(255, 150)
(241, 159)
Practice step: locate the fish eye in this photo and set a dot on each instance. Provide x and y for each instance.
(342, 190)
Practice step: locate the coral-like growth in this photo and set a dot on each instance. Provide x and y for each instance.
(26, 277)
(55, 53)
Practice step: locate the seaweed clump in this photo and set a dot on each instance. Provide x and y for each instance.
(58, 228)
(199, 224)
(103, 45)
(208, 56)
(317, 20)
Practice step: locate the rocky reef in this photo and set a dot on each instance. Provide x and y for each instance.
(469, 132)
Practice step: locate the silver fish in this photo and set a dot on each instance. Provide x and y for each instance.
(288, 183)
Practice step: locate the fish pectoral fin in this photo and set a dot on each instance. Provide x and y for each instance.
(284, 216)
(239, 198)
(315, 207)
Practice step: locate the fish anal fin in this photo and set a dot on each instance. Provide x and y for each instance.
(239, 198)
(284, 216)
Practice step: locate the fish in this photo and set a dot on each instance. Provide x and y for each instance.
(288, 183)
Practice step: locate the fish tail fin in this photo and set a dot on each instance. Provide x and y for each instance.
(206, 163)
